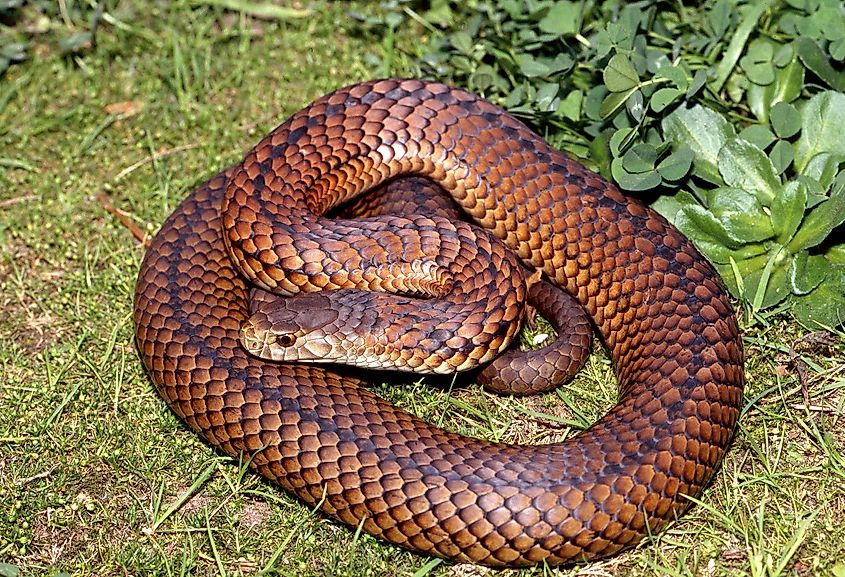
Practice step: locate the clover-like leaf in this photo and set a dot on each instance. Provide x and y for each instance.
(786, 120)
(757, 62)
(620, 75)
(676, 165)
(563, 18)
(781, 155)
(758, 135)
(631, 180)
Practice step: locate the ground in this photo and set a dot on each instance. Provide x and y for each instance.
(98, 477)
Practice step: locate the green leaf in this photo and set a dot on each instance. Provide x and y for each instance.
(564, 18)
(7, 570)
(836, 254)
(639, 158)
(704, 132)
(781, 155)
(619, 74)
(759, 135)
(825, 305)
(614, 101)
(807, 272)
(741, 214)
(570, 107)
(530, 66)
(822, 121)
(786, 120)
(633, 181)
(776, 287)
(738, 40)
(698, 223)
(822, 168)
(743, 165)
(822, 220)
(816, 60)
(788, 210)
(757, 62)
(787, 87)
(676, 165)
(663, 98)
(669, 205)
(675, 74)
(461, 41)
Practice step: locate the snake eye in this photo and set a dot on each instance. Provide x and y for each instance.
(286, 339)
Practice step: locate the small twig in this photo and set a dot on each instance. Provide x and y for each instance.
(152, 158)
(123, 218)
(17, 200)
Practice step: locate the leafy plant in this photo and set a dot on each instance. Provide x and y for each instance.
(731, 114)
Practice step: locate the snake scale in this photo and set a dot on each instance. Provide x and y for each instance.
(657, 305)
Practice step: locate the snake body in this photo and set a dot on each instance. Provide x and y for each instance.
(656, 303)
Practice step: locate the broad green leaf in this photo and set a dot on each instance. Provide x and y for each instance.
(759, 135)
(788, 210)
(619, 74)
(816, 60)
(824, 306)
(822, 220)
(807, 272)
(635, 107)
(786, 120)
(619, 139)
(698, 223)
(781, 155)
(704, 132)
(669, 205)
(8, 570)
(836, 254)
(633, 181)
(741, 214)
(823, 128)
(822, 168)
(639, 158)
(563, 18)
(676, 165)
(743, 165)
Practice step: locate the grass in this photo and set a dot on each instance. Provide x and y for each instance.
(98, 477)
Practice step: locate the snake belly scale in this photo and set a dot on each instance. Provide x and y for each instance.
(657, 305)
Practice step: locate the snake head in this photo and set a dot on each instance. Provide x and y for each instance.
(292, 329)
(338, 326)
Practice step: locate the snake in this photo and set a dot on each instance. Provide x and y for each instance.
(321, 434)
(272, 329)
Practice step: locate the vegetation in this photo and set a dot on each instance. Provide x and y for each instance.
(727, 116)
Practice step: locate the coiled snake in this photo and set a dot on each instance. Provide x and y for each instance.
(656, 303)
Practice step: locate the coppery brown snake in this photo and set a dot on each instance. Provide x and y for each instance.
(656, 303)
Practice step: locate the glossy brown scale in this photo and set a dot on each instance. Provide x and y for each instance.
(656, 303)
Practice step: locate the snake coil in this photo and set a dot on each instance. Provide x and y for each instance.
(656, 303)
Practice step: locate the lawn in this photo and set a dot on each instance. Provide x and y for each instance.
(98, 477)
